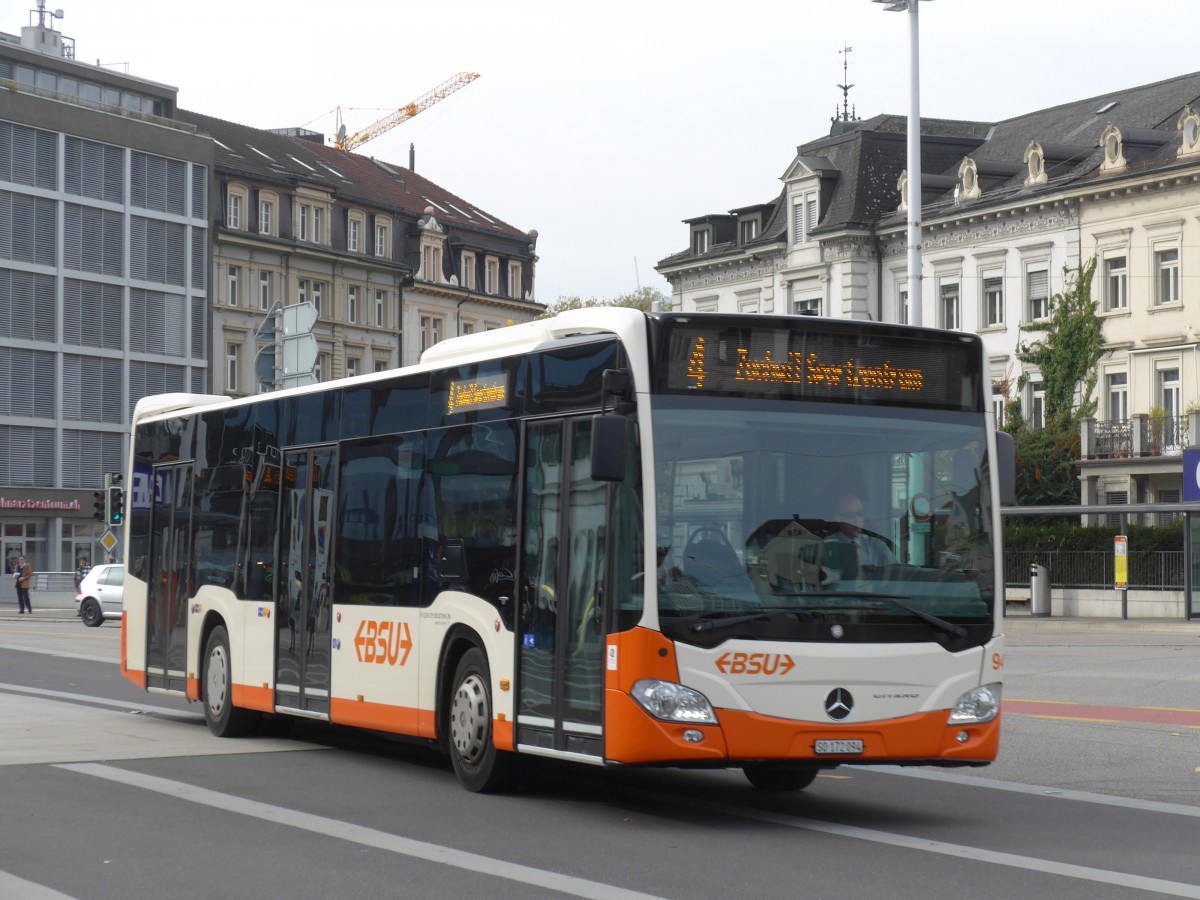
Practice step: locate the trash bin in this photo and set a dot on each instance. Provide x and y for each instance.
(1039, 590)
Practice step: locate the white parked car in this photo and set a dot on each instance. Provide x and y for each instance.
(100, 595)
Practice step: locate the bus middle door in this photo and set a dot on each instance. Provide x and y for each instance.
(560, 635)
(168, 582)
(304, 576)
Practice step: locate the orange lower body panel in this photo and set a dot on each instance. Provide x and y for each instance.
(381, 717)
(633, 737)
(922, 736)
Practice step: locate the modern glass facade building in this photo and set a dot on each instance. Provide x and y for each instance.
(103, 295)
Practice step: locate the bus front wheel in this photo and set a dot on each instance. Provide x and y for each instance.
(480, 767)
(216, 685)
(779, 776)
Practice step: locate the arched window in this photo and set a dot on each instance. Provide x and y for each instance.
(1189, 127)
(1114, 153)
(968, 180)
(1035, 159)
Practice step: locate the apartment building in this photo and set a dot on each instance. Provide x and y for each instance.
(1008, 208)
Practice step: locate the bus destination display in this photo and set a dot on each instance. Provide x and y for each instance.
(849, 365)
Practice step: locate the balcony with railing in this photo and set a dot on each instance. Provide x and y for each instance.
(1140, 435)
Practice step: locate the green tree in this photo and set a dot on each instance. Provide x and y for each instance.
(644, 299)
(1070, 345)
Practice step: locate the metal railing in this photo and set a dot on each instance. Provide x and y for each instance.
(1140, 435)
(1160, 570)
(53, 581)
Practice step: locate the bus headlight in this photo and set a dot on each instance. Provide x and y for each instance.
(673, 702)
(976, 706)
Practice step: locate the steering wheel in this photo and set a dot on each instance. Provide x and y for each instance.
(703, 533)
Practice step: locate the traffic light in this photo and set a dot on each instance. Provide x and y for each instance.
(116, 505)
(99, 513)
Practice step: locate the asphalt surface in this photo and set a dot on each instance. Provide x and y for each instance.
(61, 606)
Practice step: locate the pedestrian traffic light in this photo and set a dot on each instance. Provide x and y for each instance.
(116, 505)
(99, 513)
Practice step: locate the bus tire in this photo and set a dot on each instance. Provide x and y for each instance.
(779, 776)
(216, 688)
(480, 767)
(91, 613)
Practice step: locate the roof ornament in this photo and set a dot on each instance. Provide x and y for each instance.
(848, 113)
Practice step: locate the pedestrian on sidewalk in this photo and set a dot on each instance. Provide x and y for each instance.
(22, 576)
(82, 567)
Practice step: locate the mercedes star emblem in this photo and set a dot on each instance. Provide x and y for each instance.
(839, 703)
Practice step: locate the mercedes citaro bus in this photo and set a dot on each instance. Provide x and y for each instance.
(610, 537)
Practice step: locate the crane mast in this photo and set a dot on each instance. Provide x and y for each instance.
(403, 114)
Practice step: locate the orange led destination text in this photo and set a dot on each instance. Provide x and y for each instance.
(475, 395)
(811, 370)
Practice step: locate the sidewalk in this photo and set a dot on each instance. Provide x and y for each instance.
(50, 606)
(1022, 621)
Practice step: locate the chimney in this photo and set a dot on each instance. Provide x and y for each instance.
(412, 157)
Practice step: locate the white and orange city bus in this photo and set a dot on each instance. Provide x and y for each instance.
(761, 542)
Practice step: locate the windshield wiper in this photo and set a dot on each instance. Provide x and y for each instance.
(709, 624)
(894, 601)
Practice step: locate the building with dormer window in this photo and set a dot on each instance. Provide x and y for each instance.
(1006, 208)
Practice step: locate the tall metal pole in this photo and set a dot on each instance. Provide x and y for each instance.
(914, 165)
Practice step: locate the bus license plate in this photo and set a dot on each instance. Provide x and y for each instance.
(838, 747)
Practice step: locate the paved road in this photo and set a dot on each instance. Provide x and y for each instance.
(110, 793)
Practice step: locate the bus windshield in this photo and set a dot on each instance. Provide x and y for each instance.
(781, 520)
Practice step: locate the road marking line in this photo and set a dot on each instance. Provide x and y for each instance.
(91, 700)
(13, 886)
(995, 784)
(958, 851)
(62, 654)
(370, 837)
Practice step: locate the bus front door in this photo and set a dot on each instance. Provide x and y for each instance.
(168, 586)
(302, 652)
(561, 640)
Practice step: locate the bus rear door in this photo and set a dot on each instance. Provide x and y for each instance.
(560, 633)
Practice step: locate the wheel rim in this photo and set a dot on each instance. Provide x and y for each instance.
(469, 717)
(217, 681)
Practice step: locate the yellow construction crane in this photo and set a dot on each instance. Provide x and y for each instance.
(403, 114)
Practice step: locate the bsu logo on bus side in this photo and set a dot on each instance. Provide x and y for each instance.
(385, 643)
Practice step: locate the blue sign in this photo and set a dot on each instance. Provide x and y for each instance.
(1191, 475)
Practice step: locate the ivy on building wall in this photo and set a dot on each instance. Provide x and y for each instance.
(1069, 346)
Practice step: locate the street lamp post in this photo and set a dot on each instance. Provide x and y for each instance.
(914, 154)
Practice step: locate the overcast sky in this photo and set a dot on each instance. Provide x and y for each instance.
(603, 125)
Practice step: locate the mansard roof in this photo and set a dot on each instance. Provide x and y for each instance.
(1069, 137)
(298, 157)
(860, 163)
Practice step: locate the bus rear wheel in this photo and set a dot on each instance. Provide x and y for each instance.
(216, 688)
(480, 767)
(779, 776)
